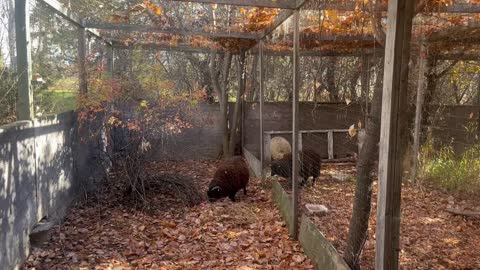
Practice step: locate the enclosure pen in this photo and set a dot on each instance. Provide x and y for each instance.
(240, 134)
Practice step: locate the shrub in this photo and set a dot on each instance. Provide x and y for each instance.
(8, 95)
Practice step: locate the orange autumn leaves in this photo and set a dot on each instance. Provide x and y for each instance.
(257, 18)
(137, 9)
(154, 8)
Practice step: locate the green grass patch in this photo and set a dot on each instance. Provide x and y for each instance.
(449, 171)
(59, 97)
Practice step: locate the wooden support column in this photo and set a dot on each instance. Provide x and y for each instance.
(267, 139)
(295, 124)
(421, 85)
(261, 100)
(25, 109)
(397, 48)
(300, 141)
(82, 56)
(330, 144)
(242, 88)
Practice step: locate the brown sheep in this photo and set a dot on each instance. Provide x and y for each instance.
(231, 176)
(310, 164)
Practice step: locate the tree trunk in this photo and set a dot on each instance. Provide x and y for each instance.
(203, 75)
(365, 84)
(422, 69)
(252, 94)
(238, 104)
(353, 84)
(430, 89)
(357, 232)
(477, 102)
(330, 79)
(220, 88)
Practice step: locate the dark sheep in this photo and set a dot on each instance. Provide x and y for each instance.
(310, 164)
(282, 167)
(231, 176)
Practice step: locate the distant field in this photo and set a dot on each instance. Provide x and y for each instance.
(59, 97)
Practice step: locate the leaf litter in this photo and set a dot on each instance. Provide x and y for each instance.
(431, 238)
(111, 234)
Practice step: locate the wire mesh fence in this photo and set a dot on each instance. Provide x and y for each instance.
(54, 43)
(197, 84)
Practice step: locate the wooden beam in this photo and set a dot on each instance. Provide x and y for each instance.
(64, 12)
(331, 5)
(397, 50)
(474, 56)
(311, 131)
(466, 34)
(326, 53)
(303, 53)
(261, 100)
(168, 30)
(284, 4)
(160, 47)
(25, 109)
(352, 6)
(458, 8)
(69, 15)
(295, 124)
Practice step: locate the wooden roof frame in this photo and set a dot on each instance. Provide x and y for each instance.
(326, 5)
(287, 6)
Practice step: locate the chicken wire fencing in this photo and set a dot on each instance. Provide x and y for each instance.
(55, 62)
(198, 97)
(341, 82)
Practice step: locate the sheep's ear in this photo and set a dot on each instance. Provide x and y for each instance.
(215, 188)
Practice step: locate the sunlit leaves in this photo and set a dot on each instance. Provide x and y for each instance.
(155, 9)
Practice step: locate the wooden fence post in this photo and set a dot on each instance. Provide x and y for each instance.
(260, 92)
(82, 55)
(330, 144)
(267, 138)
(25, 110)
(295, 124)
(397, 49)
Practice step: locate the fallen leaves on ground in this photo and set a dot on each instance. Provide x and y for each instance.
(248, 234)
(430, 238)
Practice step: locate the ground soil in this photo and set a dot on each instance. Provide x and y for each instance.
(431, 238)
(109, 233)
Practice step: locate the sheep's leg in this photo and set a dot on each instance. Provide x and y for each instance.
(232, 196)
(245, 190)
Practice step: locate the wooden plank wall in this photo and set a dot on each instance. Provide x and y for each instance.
(278, 116)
